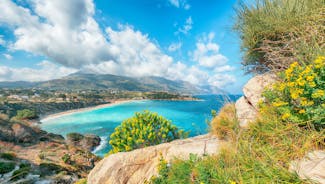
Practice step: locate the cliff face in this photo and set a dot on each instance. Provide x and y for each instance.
(140, 165)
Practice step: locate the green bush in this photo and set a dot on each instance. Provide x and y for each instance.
(299, 97)
(144, 129)
(8, 156)
(6, 167)
(275, 33)
(22, 172)
(26, 114)
(66, 158)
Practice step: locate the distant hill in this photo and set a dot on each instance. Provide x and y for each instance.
(83, 81)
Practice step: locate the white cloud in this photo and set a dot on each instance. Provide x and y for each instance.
(66, 33)
(63, 31)
(135, 54)
(224, 68)
(7, 56)
(207, 53)
(174, 46)
(2, 41)
(186, 27)
(46, 71)
(180, 4)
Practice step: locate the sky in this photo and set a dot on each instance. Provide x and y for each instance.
(189, 40)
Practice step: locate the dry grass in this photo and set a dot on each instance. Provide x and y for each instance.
(225, 125)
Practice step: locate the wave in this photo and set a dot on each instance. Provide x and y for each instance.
(103, 143)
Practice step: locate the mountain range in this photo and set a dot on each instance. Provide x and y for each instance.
(85, 81)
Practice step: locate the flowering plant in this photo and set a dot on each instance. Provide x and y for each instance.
(300, 95)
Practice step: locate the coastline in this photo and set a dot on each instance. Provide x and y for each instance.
(64, 113)
(112, 103)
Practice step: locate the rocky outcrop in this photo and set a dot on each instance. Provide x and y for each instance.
(246, 106)
(312, 166)
(88, 142)
(140, 165)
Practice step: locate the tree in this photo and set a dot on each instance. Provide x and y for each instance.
(142, 130)
(26, 114)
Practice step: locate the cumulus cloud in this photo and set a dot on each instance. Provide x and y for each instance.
(66, 33)
(7, 56)
(207, 53)
(180, 4)
(2, 41)
(186, 27)
(174, 46)
(46, 71)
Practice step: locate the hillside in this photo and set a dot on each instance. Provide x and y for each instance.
(83, 81)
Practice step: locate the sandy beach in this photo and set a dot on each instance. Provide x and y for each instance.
(64, 113)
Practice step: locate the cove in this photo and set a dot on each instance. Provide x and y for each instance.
(188, 115)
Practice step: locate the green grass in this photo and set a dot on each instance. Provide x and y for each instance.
(260, 154)
(8, 156)
(6, 167)
(275, 33)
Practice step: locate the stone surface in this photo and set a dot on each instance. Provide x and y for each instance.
(140, 165)
(254, 88)
(87, 142)
(312, 166)
(245, 112)
(246, 106)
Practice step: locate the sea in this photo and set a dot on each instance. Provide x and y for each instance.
(191, 116)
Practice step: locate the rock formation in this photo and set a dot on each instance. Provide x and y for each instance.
(140, 165)
(87, 142)
(247, 105)
(312, 166)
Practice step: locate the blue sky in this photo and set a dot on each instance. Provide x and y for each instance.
(176, 39)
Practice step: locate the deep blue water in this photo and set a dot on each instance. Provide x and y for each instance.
(188, 115)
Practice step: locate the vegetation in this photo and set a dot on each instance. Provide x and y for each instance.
(260, 154)
(225, 124)
(6, 167)
(66, 158)
(275, 33)
(300, 96)
(8, 156)
(22, 172)
(144, 129)
(26, 114)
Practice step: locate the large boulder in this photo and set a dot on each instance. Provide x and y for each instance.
(140, 165)
(246, 106)
(23, 133)
(312, 166)
(88, 142)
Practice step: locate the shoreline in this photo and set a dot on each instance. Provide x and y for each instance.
(113, 103)
(64, 113)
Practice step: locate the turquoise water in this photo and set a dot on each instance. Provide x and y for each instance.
(188, 115)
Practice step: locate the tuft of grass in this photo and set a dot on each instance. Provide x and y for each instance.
(259, 154)
(225, 125)
(6, 167)
(8, 156)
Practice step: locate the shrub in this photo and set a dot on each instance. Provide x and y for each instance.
(22, 172)
(66, 158)
(144, 129)
(6, 167)
(300, 96)
(26, 114)
(275, 33)
(82, 181)
(8, 156)
(225, 125)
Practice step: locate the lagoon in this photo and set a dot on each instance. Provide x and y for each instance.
(188, 115)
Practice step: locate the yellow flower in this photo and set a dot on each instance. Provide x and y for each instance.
(285, 116)
(319, 62)
(232, 182)
(310, 78)
(278, 104)
(318, 94)
(302, 111)
(312, 84)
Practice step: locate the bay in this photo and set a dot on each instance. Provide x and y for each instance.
(190, 116)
